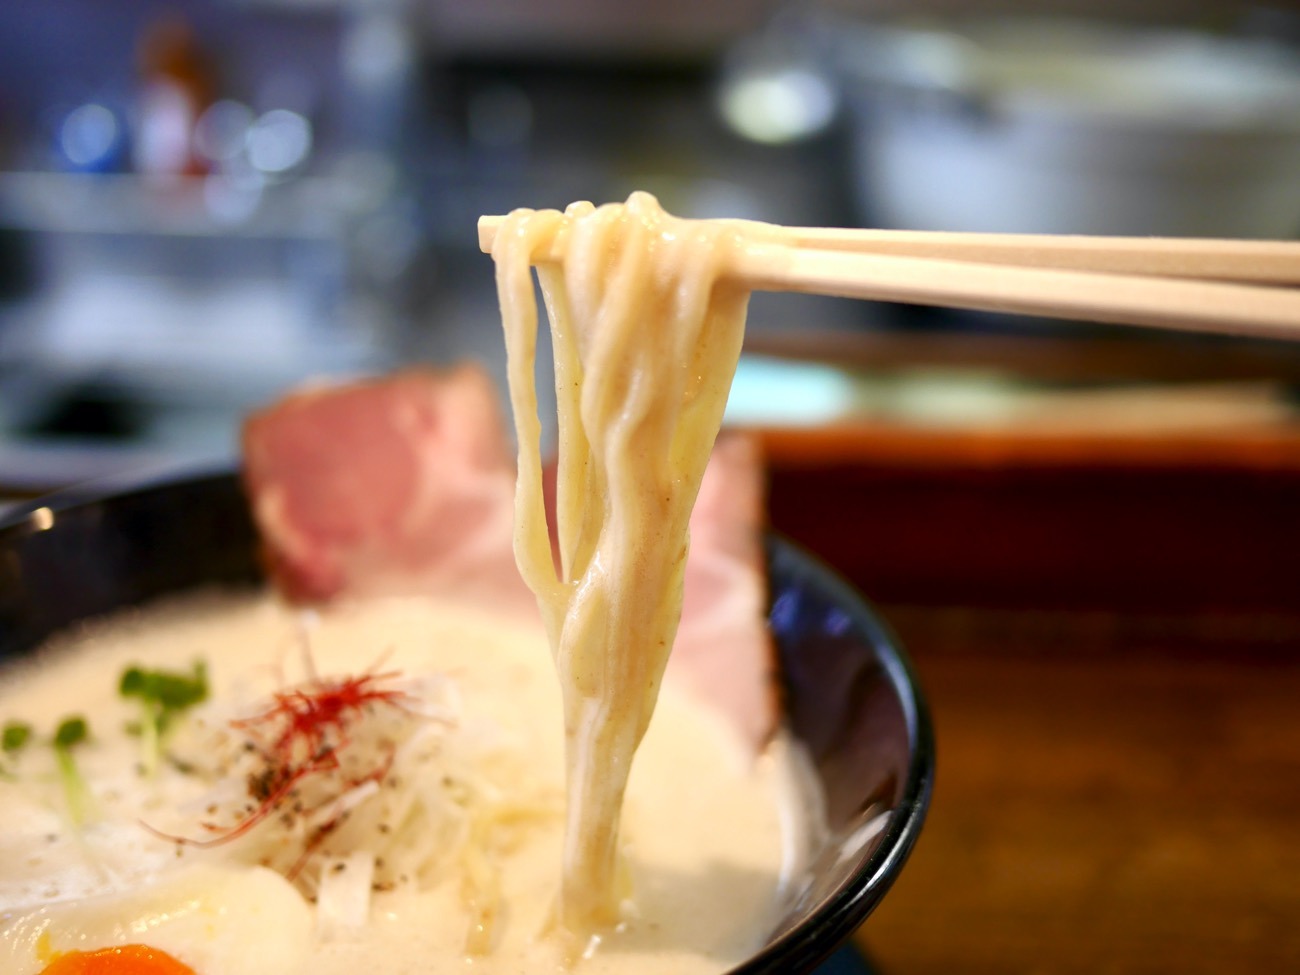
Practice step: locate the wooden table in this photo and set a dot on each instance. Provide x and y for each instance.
(1136, 813)
(1108, 632)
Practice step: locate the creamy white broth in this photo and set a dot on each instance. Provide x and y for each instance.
(702, 834)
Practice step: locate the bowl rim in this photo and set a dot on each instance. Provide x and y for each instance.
(840, 913)
(847, 907)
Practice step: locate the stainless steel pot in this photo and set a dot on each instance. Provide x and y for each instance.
(1064, 127)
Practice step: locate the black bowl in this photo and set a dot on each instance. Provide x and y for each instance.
(851, 695)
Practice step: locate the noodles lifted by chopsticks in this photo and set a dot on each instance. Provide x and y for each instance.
(646, 340)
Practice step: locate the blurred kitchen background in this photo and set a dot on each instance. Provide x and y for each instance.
(205, 202)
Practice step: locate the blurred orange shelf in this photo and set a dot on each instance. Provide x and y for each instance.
(1107, 630)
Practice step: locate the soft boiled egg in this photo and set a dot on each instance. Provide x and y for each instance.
(201, 919)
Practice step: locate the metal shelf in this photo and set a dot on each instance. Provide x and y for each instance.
(306, 208)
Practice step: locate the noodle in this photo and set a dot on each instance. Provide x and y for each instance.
(646, 341)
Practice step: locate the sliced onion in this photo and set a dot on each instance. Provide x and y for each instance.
(343, 898)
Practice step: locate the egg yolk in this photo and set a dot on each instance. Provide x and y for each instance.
(126, 960)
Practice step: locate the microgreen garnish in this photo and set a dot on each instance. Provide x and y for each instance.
(15, 735)
(163, 695)
(72, 731)
(12, 739)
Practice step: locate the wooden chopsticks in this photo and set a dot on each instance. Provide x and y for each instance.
(1258, 261)
(1127, 299)
(1239, 287)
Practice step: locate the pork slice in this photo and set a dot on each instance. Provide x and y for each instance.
(393, 485)
(724, 652)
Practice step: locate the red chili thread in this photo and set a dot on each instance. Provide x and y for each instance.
(310, 711)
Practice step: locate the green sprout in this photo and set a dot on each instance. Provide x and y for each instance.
(72, 731)
(15, 736)
(12, 740)
(163, 696)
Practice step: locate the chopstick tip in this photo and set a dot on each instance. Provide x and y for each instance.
(487, 232)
